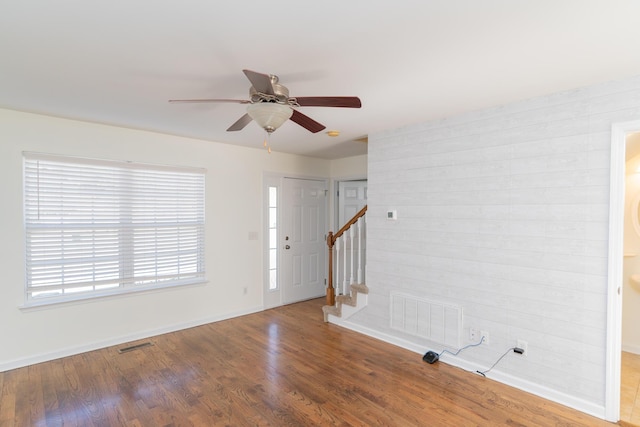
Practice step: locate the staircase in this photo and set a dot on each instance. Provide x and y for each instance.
(347, 305)
(347, 252)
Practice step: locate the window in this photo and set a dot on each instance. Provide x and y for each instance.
(96, 227)
(273, 238)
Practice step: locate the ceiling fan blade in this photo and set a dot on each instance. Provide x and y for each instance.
(260, 82)
(306, 122)
(329, 101)
(194, 101)
(240, 123)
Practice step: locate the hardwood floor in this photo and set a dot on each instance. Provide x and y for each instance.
(281, 367)
(630, 388)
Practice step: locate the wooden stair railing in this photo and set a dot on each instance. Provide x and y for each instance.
(331, 241)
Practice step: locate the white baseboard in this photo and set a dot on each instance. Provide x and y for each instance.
(533, 388)
(631, 348)
(70, 351)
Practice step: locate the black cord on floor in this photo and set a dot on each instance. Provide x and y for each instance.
(492, 366)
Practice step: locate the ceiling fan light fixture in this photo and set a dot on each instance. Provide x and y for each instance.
(269, 115)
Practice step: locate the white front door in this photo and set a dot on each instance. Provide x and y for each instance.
(303, 240)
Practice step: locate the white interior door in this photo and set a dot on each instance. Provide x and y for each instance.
(303, 240)
(352, 196)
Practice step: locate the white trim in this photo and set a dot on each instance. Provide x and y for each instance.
(544, 392)
(88, 299)
(631, 348)
(619, 132)
(70, 351)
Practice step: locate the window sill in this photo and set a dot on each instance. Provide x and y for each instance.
(94, 297)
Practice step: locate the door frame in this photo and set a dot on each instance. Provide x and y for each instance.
(619, 133)
(274, 298)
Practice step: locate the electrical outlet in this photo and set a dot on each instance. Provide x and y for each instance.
(473, 335)
(523, 345)
(485, 335)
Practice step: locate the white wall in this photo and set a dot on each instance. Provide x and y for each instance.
(504, 212)
(350, 167)
(233, 210)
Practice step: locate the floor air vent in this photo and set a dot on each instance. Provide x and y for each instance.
(135, 347)
(437, 321)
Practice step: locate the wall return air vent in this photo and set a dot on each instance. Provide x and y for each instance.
(436, 321)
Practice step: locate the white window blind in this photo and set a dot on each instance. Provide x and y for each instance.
(99, 227)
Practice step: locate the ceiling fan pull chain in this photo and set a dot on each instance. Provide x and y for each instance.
(267, 144)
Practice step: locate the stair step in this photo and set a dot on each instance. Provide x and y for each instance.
(350, 300)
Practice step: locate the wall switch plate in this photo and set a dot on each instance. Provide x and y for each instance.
(392, 215)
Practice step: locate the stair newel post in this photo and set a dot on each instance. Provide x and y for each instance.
(331, 294)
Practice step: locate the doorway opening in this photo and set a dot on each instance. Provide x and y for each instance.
(630, 338)
(620, 132)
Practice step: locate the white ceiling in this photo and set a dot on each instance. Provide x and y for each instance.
(118, 62)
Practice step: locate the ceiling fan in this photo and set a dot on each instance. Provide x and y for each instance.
(270, 104)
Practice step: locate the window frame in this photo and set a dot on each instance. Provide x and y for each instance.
(272, 238)
(147, 189)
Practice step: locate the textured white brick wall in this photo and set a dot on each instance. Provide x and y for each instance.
(504, 212)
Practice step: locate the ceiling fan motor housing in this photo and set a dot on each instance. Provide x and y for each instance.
(280, 94)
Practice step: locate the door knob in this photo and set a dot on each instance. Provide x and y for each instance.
(287, 247)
